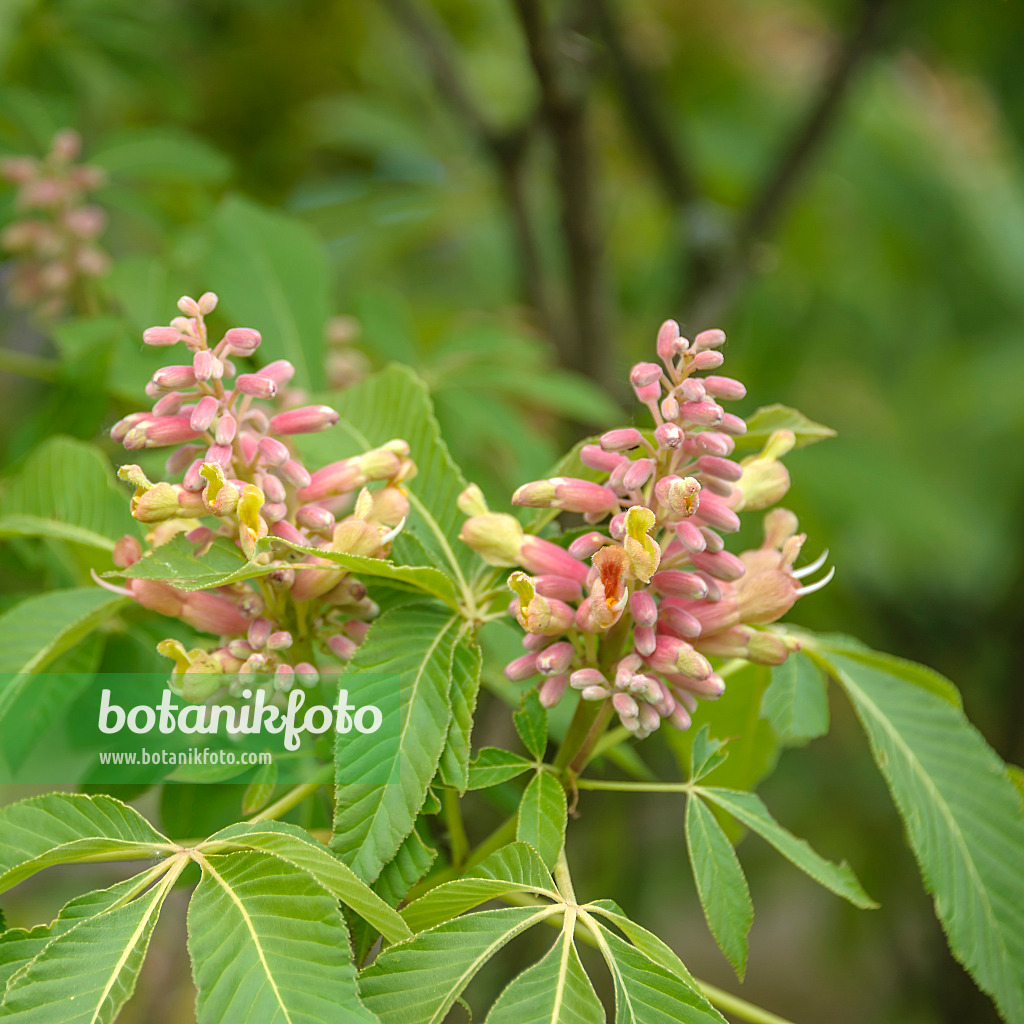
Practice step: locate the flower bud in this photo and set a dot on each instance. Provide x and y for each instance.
(677, 583)
(595, 693)
(315, 518)
(669, 343)
(537, 494)
(679, 495)
(295, 473)
(677, 620)
(551, 690)
(225, 432)
(715, 513)
(188, 306)
(544, 558)
(586, 546)
(704, 414)
(158, 432)
(733, 425)
(212, 613)
(521, 668)
(594, 457)
(495, 536)
(280, 640)
(258, 385)
(725, 388)
(707, 361)
(204, 412)
(555, 659)
(342, 647)
(221, 454)
(708, 339)
(622, 439)
(625, 705)
(161, 336)
(242, 341)
(307, 420)
(284, 678)
(643, 608)
(471, 502)
(202, 364)
(174, 378)
(676, 657)
(127, 551)
(638, 474)
(713, 442)
(724, 469)
(644, 374)
(669, 436)
(584, 677)
(273, 451)
(306, 675)
(280, 371)
(722, 565)
(670, 408)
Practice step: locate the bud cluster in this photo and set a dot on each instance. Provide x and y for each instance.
(55, 243)
(631, 612)
(236, 475)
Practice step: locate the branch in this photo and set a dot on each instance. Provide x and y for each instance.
(563, 107)
(717, 276)
(507, 149)
(641, 105)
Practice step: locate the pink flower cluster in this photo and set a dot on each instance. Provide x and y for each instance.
(241, 479)
(632, 612)
(55, 244)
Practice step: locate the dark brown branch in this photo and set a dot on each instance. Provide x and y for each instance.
(562, 84)
(507, 149)
(716, 277)
(641, 106)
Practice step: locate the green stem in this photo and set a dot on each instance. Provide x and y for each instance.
(590, 741)
(458, 841)
(25, 365)
(563, 879)
(635, 787)
(739, 1007)
(610, 740)
(576, 735)
(295, 796)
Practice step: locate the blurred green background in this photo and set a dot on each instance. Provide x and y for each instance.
(837, 185)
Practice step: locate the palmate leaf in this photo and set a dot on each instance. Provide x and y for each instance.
(85, 974)
(66, 489)
(796, 701)
(66, 828)
(271, 272)
(268, 944)
(413, 644)
(492, 766)
(396, 404)
(416, 982)
(721, 884)
(514, 868)
(531, 722)
(961, 811)
(298, 848)
(555, 990)
(647, 992)
(467, 661)
(541, 818)
(763, 422)
(175, 562)
(749, 810)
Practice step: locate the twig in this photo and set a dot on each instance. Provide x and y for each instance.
(715, 279)
(563, 106)
(507, 149)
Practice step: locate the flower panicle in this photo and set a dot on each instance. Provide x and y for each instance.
(651, 578)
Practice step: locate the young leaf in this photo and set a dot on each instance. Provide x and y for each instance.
(514, 868)
(258, 793)
(416, 982)
(396, 404)
(647, 993)
(493, 766)
(961, 811)
(749, 810)
(247, 966)
(706, 755)
(555, 990)
(721, 884)
(299, 849)
(66, 489)
(40, 628)
(86, 974)
(541, 819)
(413, 860)
(531, 721)
(796, 701)
(414, 645)
(272, 273)
(769, 418)
(465, 675)
(64, 828)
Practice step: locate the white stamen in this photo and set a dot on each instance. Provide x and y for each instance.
(812, 587)
(806, 570)
(392, 534)
(110, 586)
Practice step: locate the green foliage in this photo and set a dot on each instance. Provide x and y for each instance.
(531, 721)
(796, 701)
(541, 818)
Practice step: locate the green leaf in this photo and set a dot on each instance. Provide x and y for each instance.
(299, 849)
(33, 634)
(66, 490)
(271, 273)
(161, 155)
(415, 644)
(531, 721)
(18, 947)
(555, 990)
(258, 793)
(396, 404)
(247, 966)
(720, 883)
(707, 754)
(467, 661)
(411, 863)
(493, 766)
(749, 809)
(87, 974)
(514, 868)
(648, 993)
(769, 418)
(65, 828)
(541, 818)
(647, 942)
(418, 981)
(961, 811)
(796, 701)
